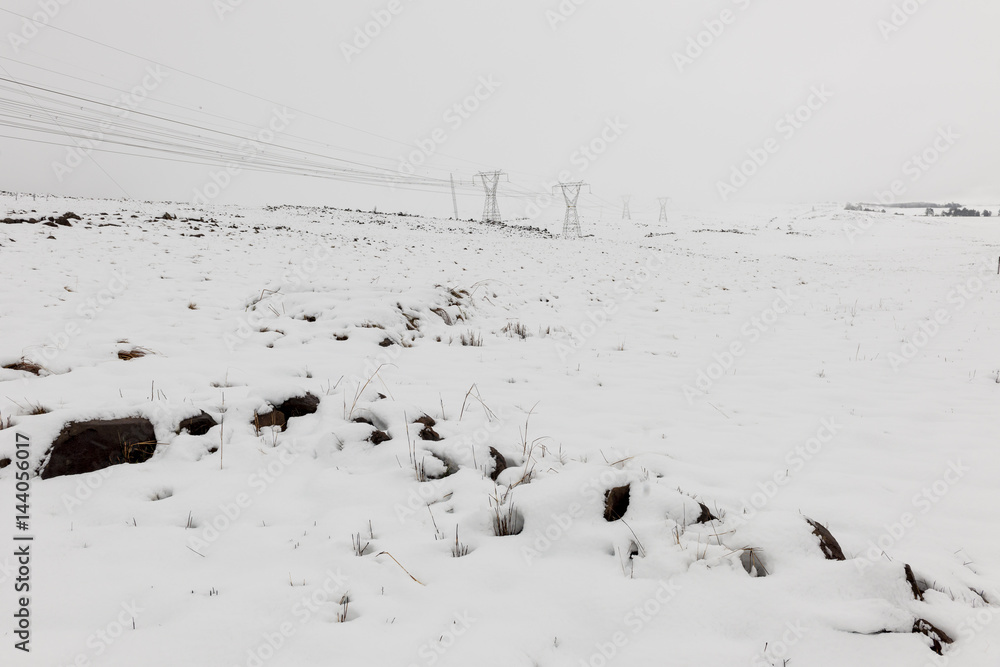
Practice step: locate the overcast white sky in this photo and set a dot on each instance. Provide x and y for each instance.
(559, 86)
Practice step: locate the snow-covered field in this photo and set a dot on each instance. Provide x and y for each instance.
(765, 367)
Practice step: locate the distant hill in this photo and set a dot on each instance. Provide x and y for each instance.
(915, 205)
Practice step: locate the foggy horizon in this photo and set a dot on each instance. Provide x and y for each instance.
(736, 103)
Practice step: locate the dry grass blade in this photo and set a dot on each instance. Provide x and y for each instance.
(361, 390)
(475, 388)
(386, 553)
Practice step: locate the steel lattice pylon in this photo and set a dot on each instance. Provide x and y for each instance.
(571, 193)
(626, 213)
(663, 208)
(491, 179)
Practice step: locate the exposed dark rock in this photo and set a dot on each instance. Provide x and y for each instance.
(499, 463)
(378, 437)
(827, 542)
(427, 433)
(4, 462)
(937, 636)
(199, 424)
(706, 515)
(387, 342)
(299, 406)
(616, 503)
(84, 447)
(426, 420)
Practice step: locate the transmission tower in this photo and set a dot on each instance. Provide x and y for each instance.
(491, 179)
(663, 208)
(626, 214)
(571, 193)
(454, 197)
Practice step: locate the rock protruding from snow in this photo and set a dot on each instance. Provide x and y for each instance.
(827, 542)
(499, 463)
(199, 424)
(706, 515)
(84, 447)
(297, 406)
(616, 503)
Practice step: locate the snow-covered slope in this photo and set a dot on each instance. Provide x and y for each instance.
(752, 371)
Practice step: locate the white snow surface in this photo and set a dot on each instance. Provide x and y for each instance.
(772, 364)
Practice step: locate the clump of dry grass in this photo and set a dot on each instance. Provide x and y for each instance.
(506, 519)
(31, 408)
(471, 339)
(513, 329)
(345, 602)
(458, 549)
(359, 548)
